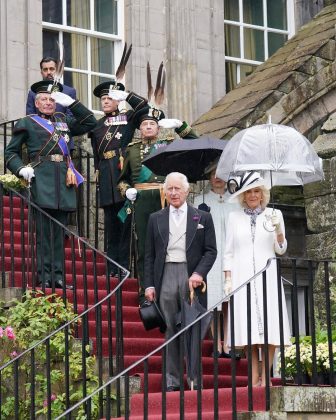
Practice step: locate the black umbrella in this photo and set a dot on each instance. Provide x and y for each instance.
(195, 334)
(190, 157)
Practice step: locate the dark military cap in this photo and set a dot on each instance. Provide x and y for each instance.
(46, 86)
(148, 113)
(105, 87)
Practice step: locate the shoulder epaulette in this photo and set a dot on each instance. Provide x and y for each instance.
(134, 142)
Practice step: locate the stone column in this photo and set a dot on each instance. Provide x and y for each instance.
(20, 54)
(188, 37)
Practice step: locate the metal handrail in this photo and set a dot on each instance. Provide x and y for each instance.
(165, 344)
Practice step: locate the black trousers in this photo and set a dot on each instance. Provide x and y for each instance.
(117, 237)
(50, 246)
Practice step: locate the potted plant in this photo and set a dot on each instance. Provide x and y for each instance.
(26, 323)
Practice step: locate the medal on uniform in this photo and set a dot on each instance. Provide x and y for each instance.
(66, 137)
(61, 126)
(120, 119)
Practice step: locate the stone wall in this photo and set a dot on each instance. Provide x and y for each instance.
(320, 198)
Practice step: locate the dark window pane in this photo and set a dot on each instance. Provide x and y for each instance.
(52, 11)
(232, 46)
(231, 10)
(50, 47)
(253, 12)
(245, 71)
(230, 76)
(102, 56)
(106, 16)
(78, 13)
(275, 41)
(80, 82)
(254, 44)
(277, 14)
(75, 51)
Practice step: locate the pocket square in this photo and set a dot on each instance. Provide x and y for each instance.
(199, 226)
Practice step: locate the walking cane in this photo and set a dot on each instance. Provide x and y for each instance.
(133, 243)
(28, 230)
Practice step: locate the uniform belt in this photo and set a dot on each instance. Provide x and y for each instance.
(109, 154)
(148, 186)
(53, 158)
(152, 186)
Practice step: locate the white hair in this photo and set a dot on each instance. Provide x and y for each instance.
(181, 177)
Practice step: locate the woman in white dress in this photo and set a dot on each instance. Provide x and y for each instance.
(217, 201)
(253, 235)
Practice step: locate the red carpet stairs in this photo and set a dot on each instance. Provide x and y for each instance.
(137, 342)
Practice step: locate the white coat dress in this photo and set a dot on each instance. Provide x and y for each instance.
(220, 208)
(244, 258)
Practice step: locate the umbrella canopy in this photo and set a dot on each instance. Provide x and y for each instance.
(190, 157)
(282, 153)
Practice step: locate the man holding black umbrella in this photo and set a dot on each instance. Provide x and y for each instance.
(180, 251)
(139, 184)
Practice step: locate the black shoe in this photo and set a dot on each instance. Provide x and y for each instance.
(217, 354)
(59, 285)
(173, 388)
(225, 355)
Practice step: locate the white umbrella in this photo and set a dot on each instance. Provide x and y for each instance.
(283, 154)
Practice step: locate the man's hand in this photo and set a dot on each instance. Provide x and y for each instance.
(131, 194)
(62, 98)
(275, 219)
(170, 123)
(27, 173)
(150, 294)
(195, 280)
(118, 95)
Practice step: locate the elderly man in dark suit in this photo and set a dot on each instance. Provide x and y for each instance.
(180, 251)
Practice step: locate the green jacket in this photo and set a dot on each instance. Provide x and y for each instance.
(134, 172)
(48, 187)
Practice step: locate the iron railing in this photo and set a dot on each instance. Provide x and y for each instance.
(233, 399)
(100, 309)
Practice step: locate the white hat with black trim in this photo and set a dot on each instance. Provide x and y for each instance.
(239, 184)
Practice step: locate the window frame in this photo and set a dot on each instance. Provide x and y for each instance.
(90, 34)
(266, 30)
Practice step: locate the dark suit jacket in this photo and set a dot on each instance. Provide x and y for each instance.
(31, 109)
(200, 247)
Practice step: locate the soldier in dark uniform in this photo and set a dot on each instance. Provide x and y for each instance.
(50, 170)
(140, 185)
(109, 141)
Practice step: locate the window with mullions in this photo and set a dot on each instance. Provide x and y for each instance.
(254, 30)
(91, 34)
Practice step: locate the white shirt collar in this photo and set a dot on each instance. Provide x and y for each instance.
(183, 208)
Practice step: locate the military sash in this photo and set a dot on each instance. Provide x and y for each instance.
(42, 122)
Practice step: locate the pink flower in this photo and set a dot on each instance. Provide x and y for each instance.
(45, 403)
(1, 332)
(10, 333)
(13, 354)
(53, 397)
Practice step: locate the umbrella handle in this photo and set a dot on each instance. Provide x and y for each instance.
(192, 291)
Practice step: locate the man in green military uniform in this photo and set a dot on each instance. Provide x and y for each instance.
(140, 185)
(109, 139)
(50, 170)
